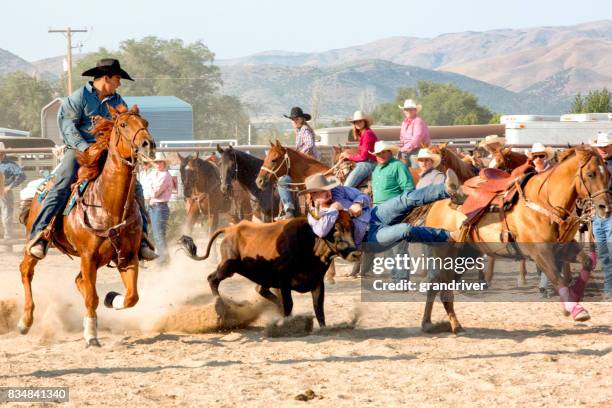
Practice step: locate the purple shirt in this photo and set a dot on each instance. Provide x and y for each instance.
(414, 134)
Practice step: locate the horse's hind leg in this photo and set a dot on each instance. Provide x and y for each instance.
(426, 325)
(129, 276)
(27, 274)
(86, 282)
(522, 282)
(448, 298)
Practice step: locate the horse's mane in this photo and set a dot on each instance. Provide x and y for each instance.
(209, 170)
(249, 158)
(92, 160)
(305, 156)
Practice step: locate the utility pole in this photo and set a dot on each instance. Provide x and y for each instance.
(68, 33)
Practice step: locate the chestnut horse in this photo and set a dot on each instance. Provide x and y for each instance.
(508, 160)
(105, 224)
(542, 214)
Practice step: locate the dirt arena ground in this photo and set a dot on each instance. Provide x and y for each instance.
(511, 354)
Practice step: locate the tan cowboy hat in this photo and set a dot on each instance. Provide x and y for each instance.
(540, 148)
(318, 182)
(410, 104)
(160, 157)
(427, 154)
(361, 115)
(493, 139)
(603, 140)
(382, 145)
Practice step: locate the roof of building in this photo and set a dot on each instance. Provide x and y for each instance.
(13, 132)
(158, 103)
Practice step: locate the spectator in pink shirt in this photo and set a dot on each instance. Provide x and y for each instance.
(414, 133)
(365, 161)
(161, 188)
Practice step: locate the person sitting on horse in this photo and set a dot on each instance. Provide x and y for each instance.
(414, 132)
(386, 227)
(428, 172)
(602, 227)
(304, 143)
(75, 119)
(327, 196)
(365, 161)
(493, 143)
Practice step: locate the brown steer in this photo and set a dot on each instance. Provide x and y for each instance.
(285, 255)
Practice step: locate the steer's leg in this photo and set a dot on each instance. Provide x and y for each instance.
(318, 298)
(287, 301)
(224, 271)
(266, 293)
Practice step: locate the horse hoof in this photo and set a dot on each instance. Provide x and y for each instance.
(457, 330)
(92, 343)
(108, 300)
(23, 329)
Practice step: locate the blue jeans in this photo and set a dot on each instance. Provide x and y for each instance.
(362, 171)
(384, 228)
(160, 213)
(602, 230)
(58, 196)
(286, 196)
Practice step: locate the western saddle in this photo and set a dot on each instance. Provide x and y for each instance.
(493, 190)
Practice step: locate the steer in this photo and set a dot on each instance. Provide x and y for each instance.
(284, 255)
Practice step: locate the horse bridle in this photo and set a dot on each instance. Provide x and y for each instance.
(135, 154)
(274, 172)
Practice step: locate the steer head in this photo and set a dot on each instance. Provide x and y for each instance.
(339, 241)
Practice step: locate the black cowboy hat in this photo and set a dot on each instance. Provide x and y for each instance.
(297, 112)
(107, 66)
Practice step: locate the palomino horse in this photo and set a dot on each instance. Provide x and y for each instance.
(202, 192)
(105, 224)
(236, 165)
(542, 214)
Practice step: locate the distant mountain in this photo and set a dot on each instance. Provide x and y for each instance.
(270, 90)
(54, 66)
(10, 62)
(513, 59)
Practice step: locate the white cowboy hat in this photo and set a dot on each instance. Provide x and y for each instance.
(540, 148)
(2, 146)
(603, 140)
(382, 145)
(361, 115)
(493, 139)
(318, 182)
(160, 157)
(410, 104)
(427, 154)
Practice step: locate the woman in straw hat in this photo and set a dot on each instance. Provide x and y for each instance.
(414, 132)
(161, 188)
(602, 227)
(493, 143)
(366, 162)
(429, 174)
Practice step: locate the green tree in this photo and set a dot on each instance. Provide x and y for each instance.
(443, 104)
(171, 67)
(23, 97)
(598, 101)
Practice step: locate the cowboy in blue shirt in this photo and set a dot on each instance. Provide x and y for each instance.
(75, 120)
(13, 177)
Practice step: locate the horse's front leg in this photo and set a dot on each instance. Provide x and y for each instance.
(86, 283)
(27, 274)
(129, 276)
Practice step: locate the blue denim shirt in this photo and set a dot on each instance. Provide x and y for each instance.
(13, 174)
(76, 113)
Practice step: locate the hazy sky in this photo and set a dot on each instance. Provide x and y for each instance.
(233, 28)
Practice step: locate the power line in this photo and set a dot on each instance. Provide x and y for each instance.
(68, 33)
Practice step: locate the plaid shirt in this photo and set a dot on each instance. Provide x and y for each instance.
(305, 142)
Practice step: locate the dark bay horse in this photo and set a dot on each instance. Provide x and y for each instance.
(236, 165)
(105, 224)
(542, 214)
(202, 192)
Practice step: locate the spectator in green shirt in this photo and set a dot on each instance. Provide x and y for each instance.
(391, 177)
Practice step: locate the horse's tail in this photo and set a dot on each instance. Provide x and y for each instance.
(186, 243)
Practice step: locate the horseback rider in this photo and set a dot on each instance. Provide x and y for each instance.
(366, 162)
(414, 132)
(428, 172)
(493, 143)
(304, 143)
(75, 119)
